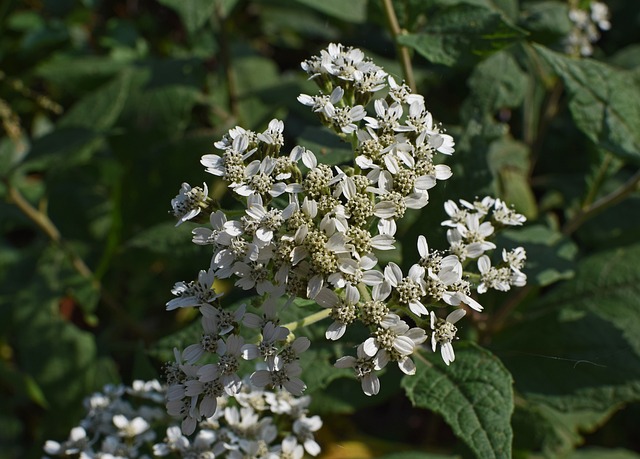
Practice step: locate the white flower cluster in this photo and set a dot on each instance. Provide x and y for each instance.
(312, 231)
(125, 422)
(118, 424)
(587, 24)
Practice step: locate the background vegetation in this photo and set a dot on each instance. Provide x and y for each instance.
(108, 105)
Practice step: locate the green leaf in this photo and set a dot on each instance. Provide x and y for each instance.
(580, 349)
(597, 453)
(473, 395)
(508, 160)
(547, 21)
(351, 11)
(166, 238)
(194, 13)
(550, 255)
(462, 34)
(538, 427)
(70, 72)
(497, 82)
(604, 101)
(100, 110)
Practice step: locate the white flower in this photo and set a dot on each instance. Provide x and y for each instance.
(189, 202)
(394, 340)
(230, 165)
(271, 334)
(410, 289)
(209, 342)
(491, 277)
(503, 214)
(303, 428)
(273, 134)
(364, 366)
(226, 368)
(130, 428)
(290, 449)
(76, 443)
(196, 293)
(388, 117)
(444, 331)
(220, 233)
(280, 374)
(343, 309)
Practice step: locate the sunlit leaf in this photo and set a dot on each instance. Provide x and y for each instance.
(462, 34)
(473, 395)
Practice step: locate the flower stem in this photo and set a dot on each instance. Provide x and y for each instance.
(312, 319)
(403, 51)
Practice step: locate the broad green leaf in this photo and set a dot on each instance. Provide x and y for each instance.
(194, 13)
(100, 110)
(538, 427)
(351, 11)
(71, 72)
(598, 453)
(62, 148)
(473, 395)
(461, 35)
(550, 255)
(580, 349)
(509, 162)
(497, 82)
(547, 21)
(604, 101)
(627, 58)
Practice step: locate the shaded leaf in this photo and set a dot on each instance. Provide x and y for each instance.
(580, 349)
(550, 255)
(99, 110)
(604, 101)
(473, 395)
(194, 13)
(462, 34)
(351, 11)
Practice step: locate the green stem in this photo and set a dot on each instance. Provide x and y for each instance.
(225, 56)
(601, 204)
(598, 179)
(312, 319)
(45, 224)
(403, 51)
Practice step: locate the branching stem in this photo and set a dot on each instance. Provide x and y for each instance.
(591, 210)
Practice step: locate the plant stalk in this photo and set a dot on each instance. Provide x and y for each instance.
(403, 51)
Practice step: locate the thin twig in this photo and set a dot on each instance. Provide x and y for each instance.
(403, 51)
(601, 204)
(45, 224)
